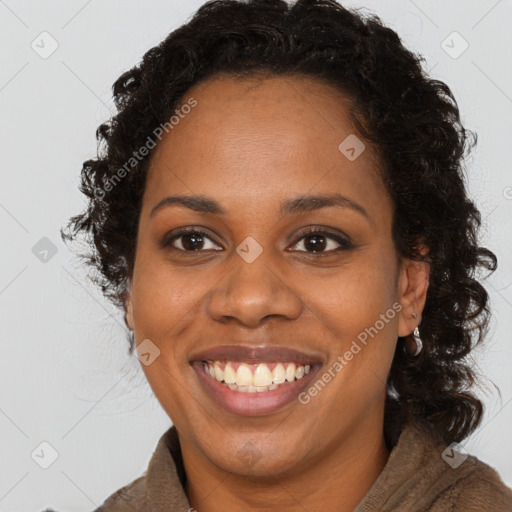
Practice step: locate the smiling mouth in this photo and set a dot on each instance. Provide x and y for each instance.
(255, 378)
(255, 387)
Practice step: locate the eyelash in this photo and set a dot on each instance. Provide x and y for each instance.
(345, 244)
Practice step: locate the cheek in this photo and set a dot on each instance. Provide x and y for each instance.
(165, 299)
(353, 297)
(169, 311)
(168, 384)
(360, 309)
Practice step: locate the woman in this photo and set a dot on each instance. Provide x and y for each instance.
(279, 208)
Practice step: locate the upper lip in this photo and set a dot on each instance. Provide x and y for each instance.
(255, 354)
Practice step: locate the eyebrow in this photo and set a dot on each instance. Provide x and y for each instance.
(203, 204)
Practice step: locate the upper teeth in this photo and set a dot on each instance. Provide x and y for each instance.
(243, 374)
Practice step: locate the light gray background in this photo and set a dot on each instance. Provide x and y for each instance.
(65, 374)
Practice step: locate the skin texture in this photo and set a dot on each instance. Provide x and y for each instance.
(251, 144)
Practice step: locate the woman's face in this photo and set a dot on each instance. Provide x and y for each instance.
(255, 278)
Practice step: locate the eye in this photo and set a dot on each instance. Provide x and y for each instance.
(315, 239)
(193, 240)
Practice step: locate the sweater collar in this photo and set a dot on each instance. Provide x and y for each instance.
(165, 477)
(415, 473)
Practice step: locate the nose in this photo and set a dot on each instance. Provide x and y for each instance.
(251, 292)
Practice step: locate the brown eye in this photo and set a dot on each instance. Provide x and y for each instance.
(189, 240)
(317, 241)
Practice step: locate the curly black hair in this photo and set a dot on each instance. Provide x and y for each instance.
(412, 120)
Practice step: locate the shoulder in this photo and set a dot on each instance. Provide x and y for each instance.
(130, 498)
(427, 481)
(479, 489)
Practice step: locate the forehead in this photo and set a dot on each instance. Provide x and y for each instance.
(248, 137)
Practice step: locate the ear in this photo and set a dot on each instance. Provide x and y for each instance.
(412, 286)
(128, 314)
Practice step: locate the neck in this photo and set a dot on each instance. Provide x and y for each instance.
(338, 480)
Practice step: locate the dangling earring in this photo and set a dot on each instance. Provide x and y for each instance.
(417, 339)
(131, 339)
(414, 347)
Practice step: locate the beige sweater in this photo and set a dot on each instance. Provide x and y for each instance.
(416, 478)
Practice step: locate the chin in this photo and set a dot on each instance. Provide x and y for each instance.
(256, 459)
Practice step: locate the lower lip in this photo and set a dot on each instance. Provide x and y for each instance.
(253, 404)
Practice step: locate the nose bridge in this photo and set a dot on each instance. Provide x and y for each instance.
(253, 288)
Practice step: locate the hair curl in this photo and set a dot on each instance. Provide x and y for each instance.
(413, 122)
